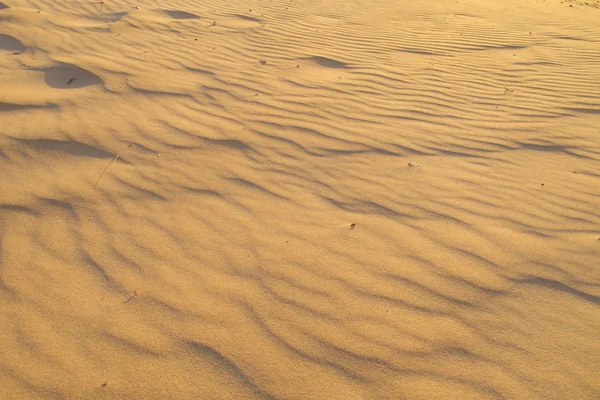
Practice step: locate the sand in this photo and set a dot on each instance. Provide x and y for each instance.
(296, 199)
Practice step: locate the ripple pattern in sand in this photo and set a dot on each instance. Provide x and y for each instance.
(298, 200)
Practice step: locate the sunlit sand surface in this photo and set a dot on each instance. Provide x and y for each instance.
(368, 199)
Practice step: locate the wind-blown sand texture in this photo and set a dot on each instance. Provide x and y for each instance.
(213, 199)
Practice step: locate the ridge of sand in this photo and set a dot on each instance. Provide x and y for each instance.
(299, 199)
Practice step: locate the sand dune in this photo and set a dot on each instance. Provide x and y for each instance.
(299, 199)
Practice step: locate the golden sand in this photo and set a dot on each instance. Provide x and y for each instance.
(300, 199)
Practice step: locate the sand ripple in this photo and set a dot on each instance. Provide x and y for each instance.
(299, 200)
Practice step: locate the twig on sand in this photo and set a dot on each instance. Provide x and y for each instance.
(133, 296)
(109, 164)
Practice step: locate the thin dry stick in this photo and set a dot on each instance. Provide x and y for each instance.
(109, 164)
(133, 296)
